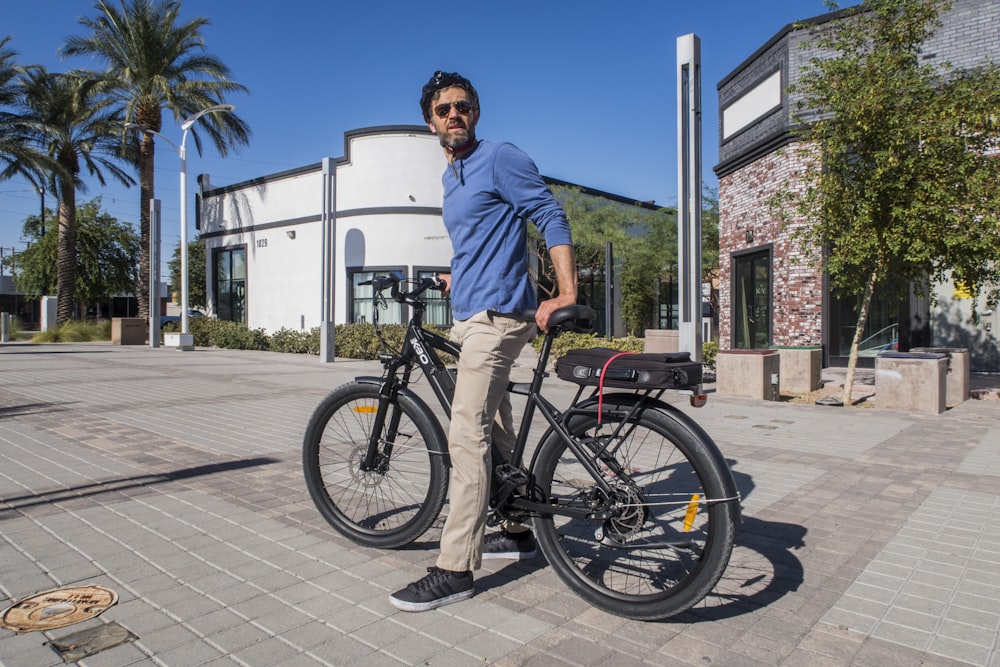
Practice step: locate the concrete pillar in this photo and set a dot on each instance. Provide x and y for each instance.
(957, 381)
(801, 369)
(50, 305)
(911, 381)
(128, 331)
(661, 340)
(748, 373)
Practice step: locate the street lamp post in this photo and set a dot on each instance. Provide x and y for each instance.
(182, 152)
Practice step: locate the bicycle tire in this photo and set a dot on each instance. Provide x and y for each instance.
(384, 508)
(621, 565)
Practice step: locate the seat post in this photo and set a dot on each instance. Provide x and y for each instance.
(543, 360)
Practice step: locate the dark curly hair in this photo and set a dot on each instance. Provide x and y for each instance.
(440, 81)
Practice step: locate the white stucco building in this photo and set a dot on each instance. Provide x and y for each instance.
(377, 209)
(273, 243)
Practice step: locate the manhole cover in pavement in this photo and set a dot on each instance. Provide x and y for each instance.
(57, 608)
(85, 643)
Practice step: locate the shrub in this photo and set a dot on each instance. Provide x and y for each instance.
(572, 341)
(223, 333)
(15, 328)
(358, 341)
(353, 341)
(75, 331)
(709, 351)
(297, 342)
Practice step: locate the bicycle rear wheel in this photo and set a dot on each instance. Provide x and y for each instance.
(398, 498)
(668, 532)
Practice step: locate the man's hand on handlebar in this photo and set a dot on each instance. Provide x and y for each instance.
(443, 282)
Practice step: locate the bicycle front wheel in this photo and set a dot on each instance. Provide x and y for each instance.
(659, 541)
(393, 500)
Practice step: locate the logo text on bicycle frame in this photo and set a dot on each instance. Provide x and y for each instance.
(419, 349)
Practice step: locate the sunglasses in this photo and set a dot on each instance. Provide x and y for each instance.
(462, 107)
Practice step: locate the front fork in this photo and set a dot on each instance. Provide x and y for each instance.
(379, 450)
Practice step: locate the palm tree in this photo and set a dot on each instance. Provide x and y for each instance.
(70, 121)
(18, 155)
(156, 64)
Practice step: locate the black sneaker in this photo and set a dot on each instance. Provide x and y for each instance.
(509, 546)
(438, 588)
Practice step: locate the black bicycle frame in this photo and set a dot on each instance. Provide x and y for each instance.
(420, 349)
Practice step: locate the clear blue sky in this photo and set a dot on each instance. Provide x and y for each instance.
(586, 87)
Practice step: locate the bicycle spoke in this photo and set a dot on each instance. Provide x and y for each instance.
(652, 526)
(399, 495)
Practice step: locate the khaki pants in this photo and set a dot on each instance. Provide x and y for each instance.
(480, 411)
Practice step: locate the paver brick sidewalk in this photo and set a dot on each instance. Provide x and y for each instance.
(173, 478)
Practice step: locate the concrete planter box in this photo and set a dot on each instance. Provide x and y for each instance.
(182, 341)
(661, 340)
(957, 382)
(801, 369)
(911, 381)
(748, 373)
(128, 331)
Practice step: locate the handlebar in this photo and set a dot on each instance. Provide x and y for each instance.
(391, 283)
(576, 318)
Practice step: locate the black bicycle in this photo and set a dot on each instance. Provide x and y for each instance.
(631, 501)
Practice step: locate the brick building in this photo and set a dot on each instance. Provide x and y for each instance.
(771, 293)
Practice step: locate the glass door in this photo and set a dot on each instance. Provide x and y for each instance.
(231, 284)
(752, 301)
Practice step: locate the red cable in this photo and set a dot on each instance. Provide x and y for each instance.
(600, 384)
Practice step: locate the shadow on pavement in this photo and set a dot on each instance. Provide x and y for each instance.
(762, 570)
(124, 483)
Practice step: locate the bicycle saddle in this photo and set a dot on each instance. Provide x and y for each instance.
(575, 318)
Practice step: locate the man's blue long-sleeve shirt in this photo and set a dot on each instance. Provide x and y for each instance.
(489, 195)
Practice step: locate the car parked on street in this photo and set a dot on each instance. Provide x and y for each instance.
(192, 314)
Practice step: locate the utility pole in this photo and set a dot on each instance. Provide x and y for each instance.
(41, 218)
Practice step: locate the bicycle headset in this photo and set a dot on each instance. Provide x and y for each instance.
(440, 81)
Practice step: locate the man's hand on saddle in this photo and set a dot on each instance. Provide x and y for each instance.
(549, 306)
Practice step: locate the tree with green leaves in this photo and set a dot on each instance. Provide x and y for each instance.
(900, 191)
(68, 119)
(107, 253)
(156, 63)
(197, 297)
(18, 153)
(710, 242)
(644, 242)
(643, 267)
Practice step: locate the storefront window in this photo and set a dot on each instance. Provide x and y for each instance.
(438, 305)
(231, 284)
(362, 296)
(881, 330)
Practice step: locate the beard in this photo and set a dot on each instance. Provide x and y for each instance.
(457, 137)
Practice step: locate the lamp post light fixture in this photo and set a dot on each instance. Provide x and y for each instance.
(182, 152)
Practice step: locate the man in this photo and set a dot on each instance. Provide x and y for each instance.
(491, 190)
